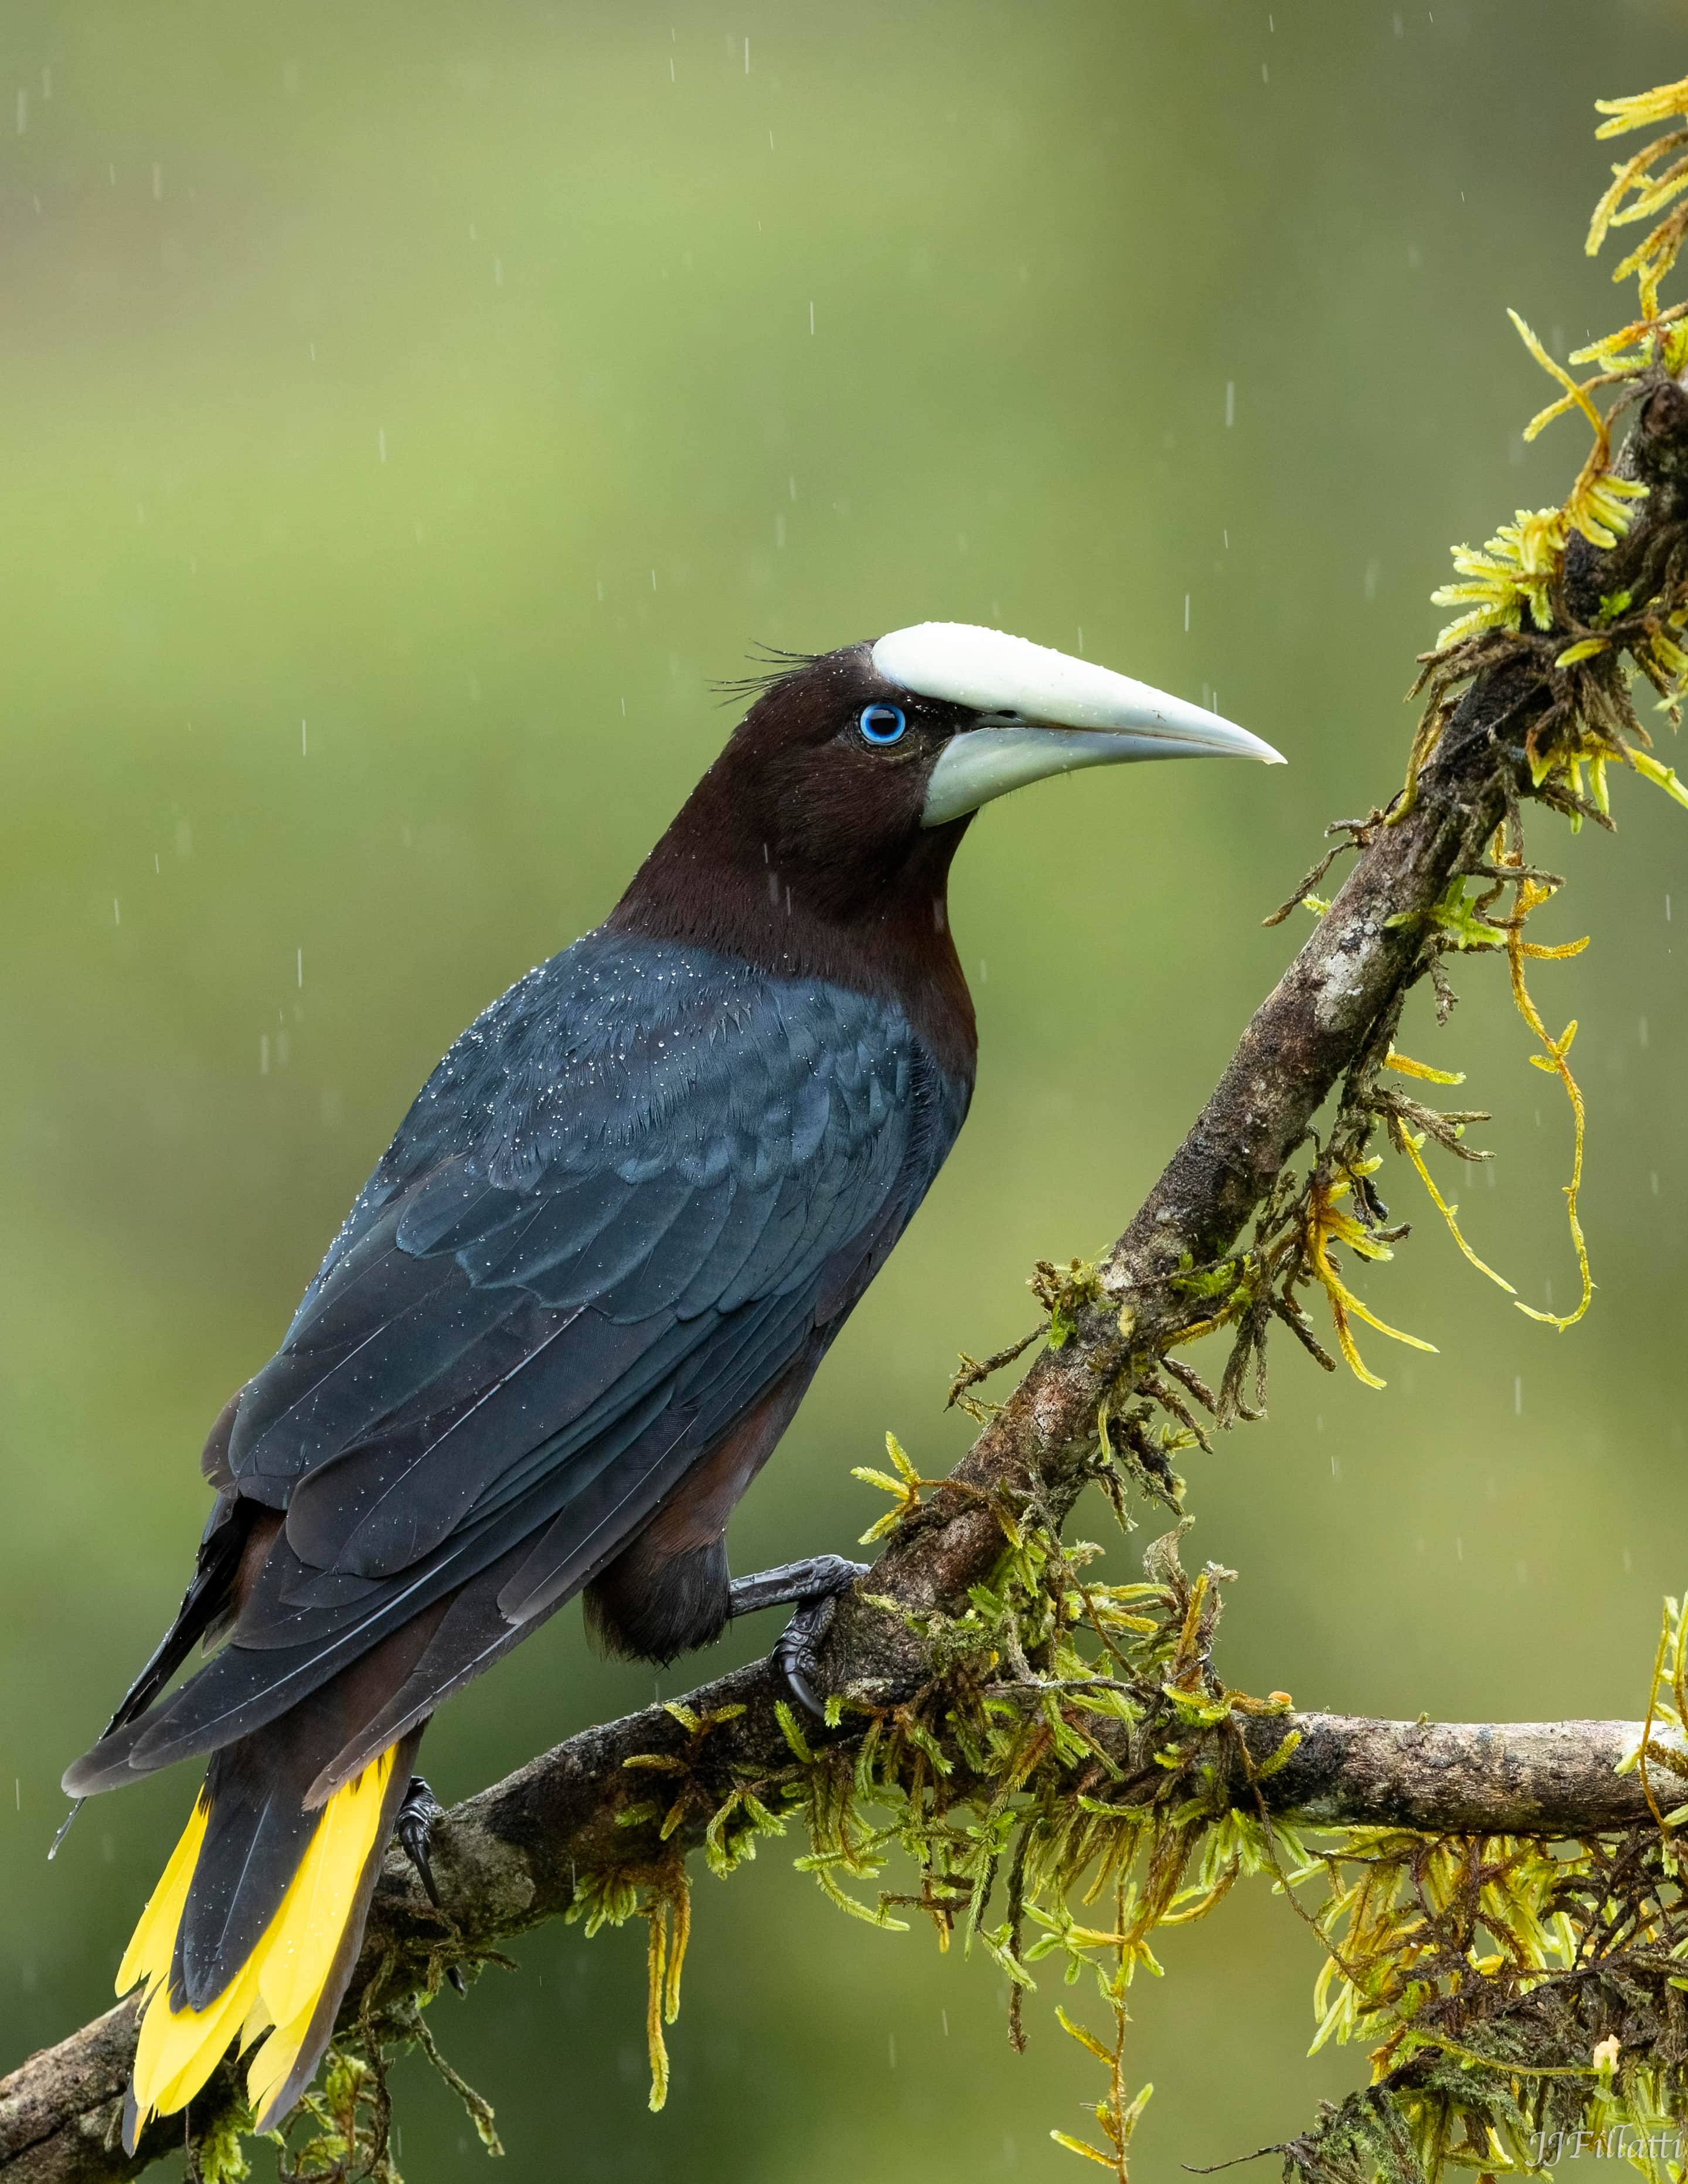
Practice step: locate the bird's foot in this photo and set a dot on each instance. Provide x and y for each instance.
(813, 1586)
(413, 1827)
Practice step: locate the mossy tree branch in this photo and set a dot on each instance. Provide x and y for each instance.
(508, 1859)
(512, 1857)
(1332, 1011)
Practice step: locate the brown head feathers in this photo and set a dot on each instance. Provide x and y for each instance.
(802, 848)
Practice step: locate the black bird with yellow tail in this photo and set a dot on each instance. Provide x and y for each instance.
(575, 1307)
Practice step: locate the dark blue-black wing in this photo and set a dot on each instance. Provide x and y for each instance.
(643, 1187)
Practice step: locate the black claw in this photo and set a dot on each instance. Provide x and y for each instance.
(813, 1587)
(797, 1649)
(414, 1826)
(415, 1829)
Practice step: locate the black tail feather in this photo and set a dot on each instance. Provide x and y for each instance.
(263, 1814)
(321, 2029)
(205, 1601)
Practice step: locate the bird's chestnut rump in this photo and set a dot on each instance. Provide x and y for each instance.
(575, 1305)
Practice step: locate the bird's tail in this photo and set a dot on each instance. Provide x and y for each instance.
(280, 1999)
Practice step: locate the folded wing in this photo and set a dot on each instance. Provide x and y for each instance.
(646, 1182)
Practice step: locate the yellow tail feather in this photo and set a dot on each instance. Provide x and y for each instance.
(276, 1991)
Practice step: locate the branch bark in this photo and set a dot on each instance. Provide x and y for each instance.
(508, 1858)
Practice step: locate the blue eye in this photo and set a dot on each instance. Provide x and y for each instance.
(882, 724)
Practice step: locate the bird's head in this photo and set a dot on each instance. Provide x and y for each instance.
(838, 800)
(849, 765)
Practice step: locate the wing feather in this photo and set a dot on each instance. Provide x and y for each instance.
(641, 1186)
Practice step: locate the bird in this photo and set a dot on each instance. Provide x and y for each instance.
(575, 1307)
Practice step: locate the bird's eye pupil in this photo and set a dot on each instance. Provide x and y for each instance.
(882, 724)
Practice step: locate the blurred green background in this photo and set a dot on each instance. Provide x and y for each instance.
(406, 411)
